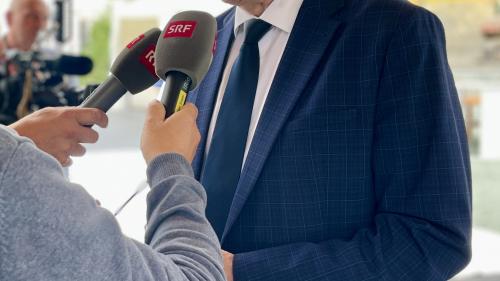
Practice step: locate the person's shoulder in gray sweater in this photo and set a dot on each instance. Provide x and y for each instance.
(51, 229)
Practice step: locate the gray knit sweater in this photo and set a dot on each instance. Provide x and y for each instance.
(51, 229)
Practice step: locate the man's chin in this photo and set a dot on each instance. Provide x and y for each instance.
(232, 2)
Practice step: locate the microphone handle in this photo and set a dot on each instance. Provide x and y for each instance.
(175, 92)
(107, 94)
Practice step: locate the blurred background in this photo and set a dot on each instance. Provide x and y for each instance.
(113, 168)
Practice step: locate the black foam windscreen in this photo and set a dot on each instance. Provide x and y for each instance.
(134, 66)
(71, 65)
(187, 45)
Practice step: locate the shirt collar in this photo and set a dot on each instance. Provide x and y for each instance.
(280, 14)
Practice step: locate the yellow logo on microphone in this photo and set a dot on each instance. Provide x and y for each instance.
(181, 100)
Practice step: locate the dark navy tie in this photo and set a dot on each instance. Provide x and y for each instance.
(224, 161)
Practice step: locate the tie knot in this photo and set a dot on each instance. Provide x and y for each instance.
(256, 30)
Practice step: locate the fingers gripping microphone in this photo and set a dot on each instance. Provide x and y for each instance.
(183, 55)
(133, 71)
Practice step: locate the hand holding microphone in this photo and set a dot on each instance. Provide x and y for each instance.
(182, 58)
(183, 55)
(177, 134)
(59, 131)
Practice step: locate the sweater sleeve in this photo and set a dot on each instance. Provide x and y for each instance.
(51, 229)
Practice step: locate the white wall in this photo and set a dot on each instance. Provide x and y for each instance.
(160, 9)
(490, 125)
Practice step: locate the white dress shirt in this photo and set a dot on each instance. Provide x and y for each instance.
(281, 14)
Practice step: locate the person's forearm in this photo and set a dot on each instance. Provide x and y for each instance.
(397, 248)
(176, 210)
(57, 228)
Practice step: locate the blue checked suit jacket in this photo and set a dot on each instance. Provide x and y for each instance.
(359, 167)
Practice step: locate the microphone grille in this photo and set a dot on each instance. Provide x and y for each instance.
(134, 66)
(186, 45)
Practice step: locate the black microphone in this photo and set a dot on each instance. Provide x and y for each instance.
(70, 65)
(133, 70)
(63, 19)
(183, 55)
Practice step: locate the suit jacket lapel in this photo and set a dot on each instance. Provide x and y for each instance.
(207, 92)
(305, 48)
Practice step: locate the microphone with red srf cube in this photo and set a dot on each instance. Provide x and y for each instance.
(183, 55)
(133, 71)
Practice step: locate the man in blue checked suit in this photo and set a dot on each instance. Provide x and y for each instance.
(333, 144)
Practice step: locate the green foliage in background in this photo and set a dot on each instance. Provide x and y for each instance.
(97, 48)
